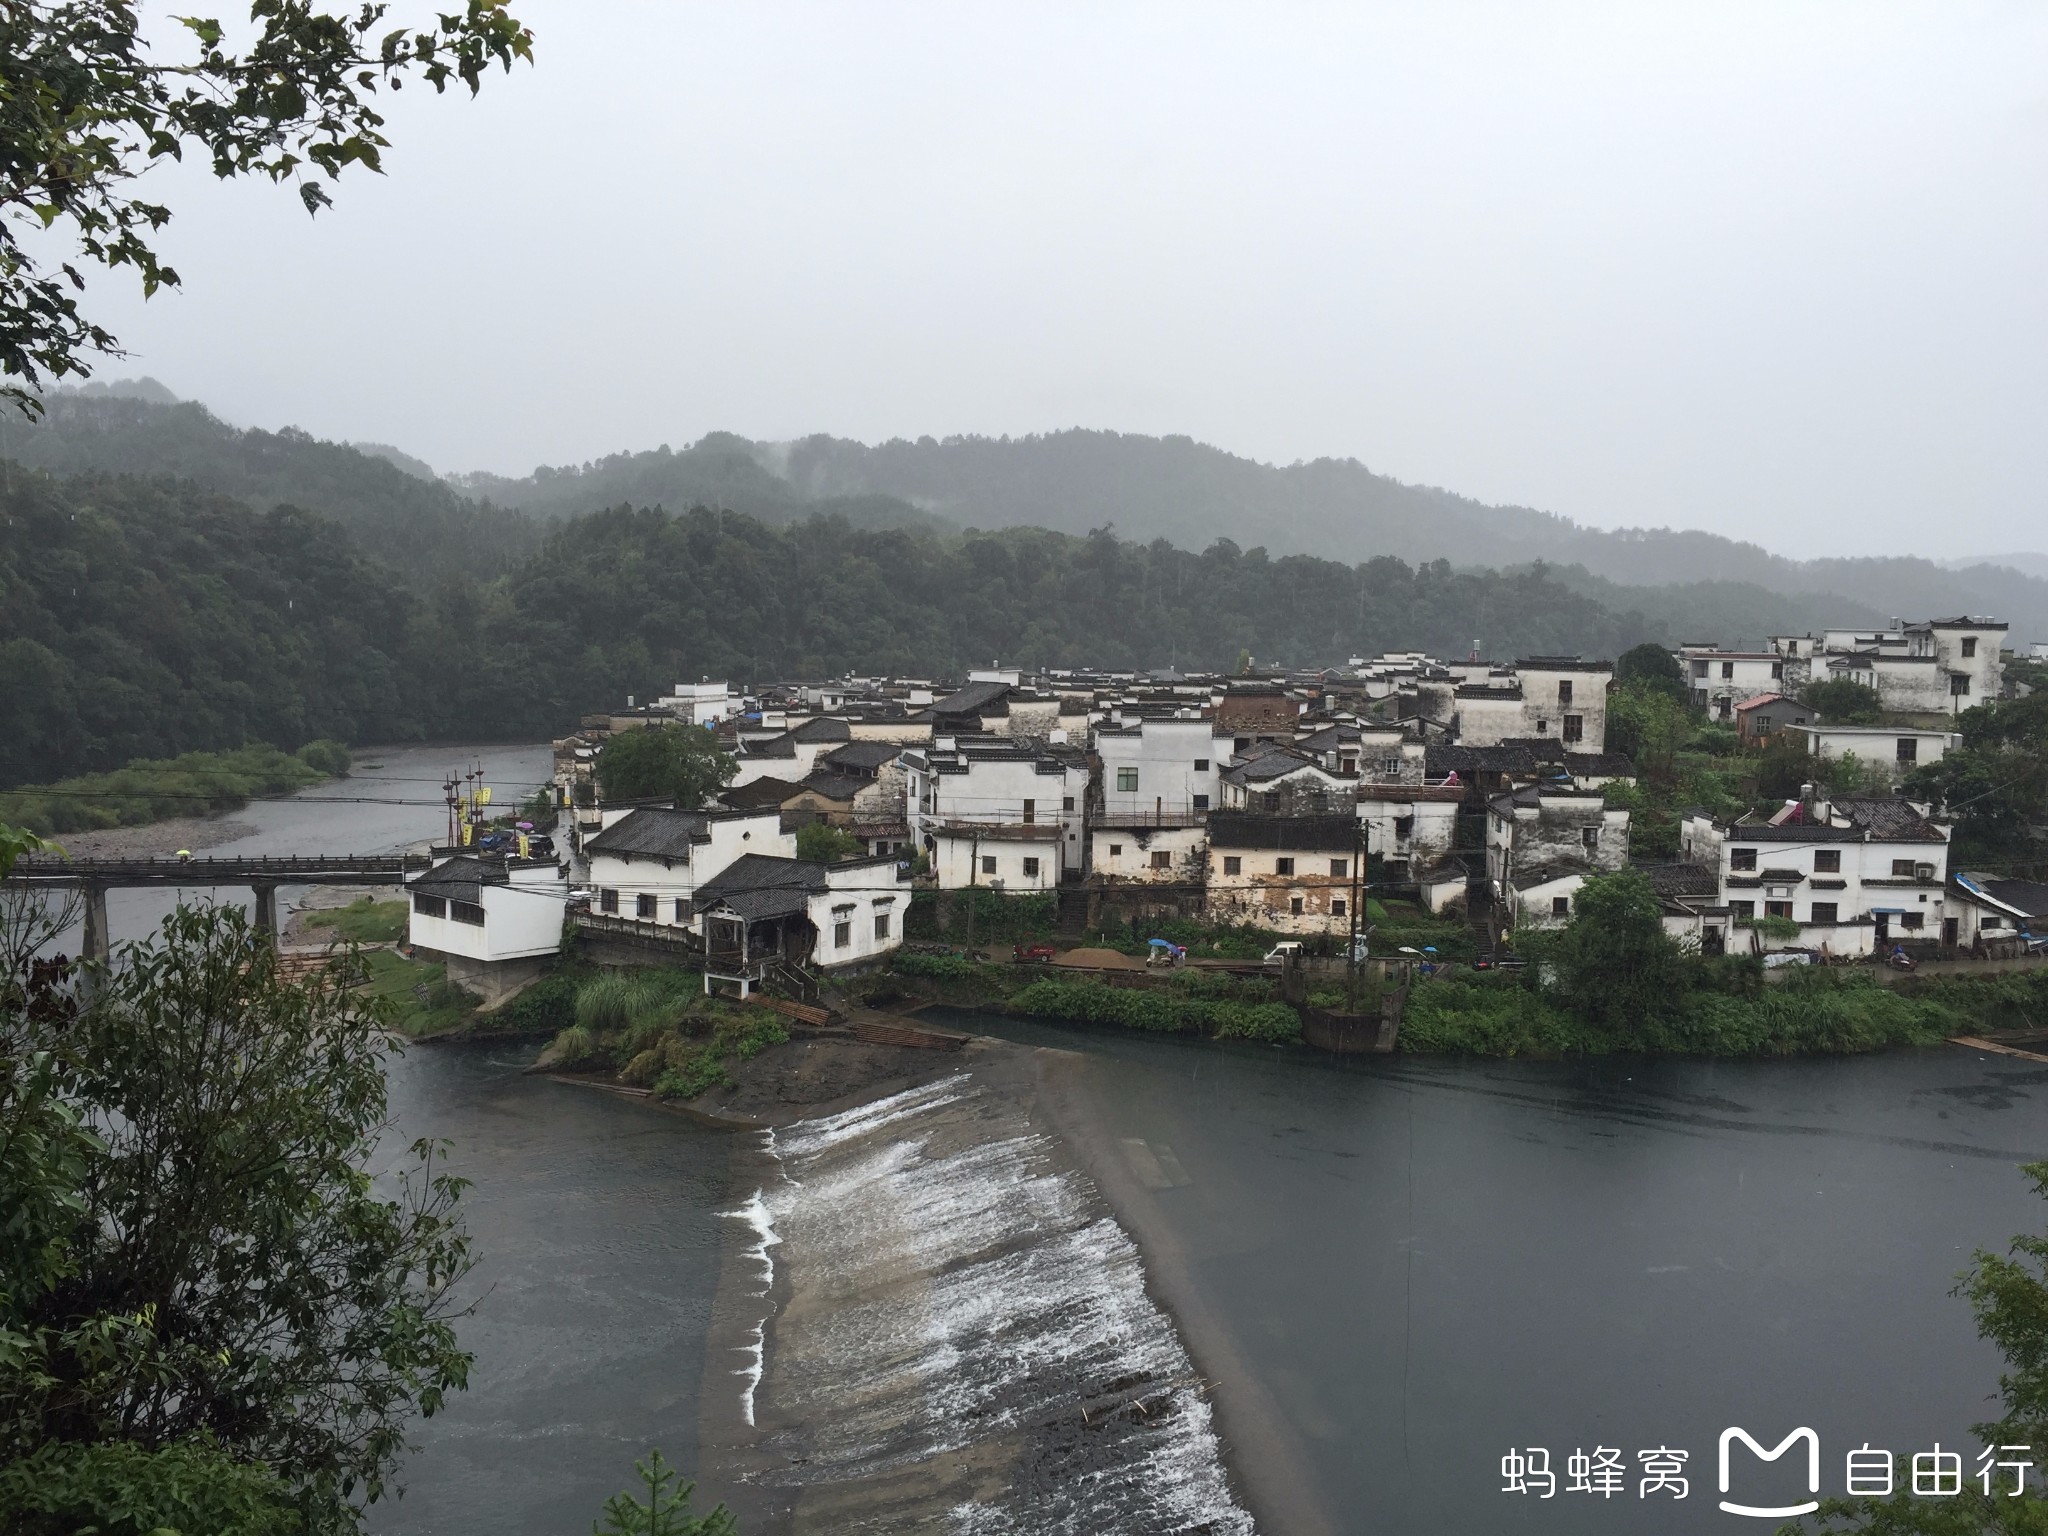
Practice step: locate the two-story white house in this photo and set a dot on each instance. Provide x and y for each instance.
(1856, 874)
(491, 923)
(763, 910)
(1160, 777)
(1886, 752)
(991, 813)
(1717, 680)
(1542, 841)
(649, 862)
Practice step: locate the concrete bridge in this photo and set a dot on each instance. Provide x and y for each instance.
(95, 877)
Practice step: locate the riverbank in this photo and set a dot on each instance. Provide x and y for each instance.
(156, 840)
(1824, 1011)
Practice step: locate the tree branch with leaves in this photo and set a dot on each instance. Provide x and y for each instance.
(87, 105)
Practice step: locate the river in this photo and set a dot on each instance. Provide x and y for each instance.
(390, 801)
(1395, 1272)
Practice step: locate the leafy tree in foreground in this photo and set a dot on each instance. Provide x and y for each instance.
(2009, 1294)
(212, 1318)
(89, 107)
(661, 762)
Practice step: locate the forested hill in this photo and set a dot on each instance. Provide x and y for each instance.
(143, 618)
(1176, 488)
(721, 470)
(423, 528)
(1142, 487)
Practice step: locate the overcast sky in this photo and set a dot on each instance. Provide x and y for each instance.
(1780, 271)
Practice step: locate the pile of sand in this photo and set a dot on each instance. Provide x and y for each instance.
(1099, 960)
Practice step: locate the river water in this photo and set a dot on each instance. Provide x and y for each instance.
(390, 801)
(1404, 1270)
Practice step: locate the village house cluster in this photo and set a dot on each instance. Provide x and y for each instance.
(1266, 800)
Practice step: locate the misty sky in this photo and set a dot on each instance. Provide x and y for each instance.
(1772, 270)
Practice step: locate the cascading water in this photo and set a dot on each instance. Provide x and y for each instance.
(962, 1340)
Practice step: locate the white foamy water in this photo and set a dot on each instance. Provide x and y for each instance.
(969, 1346)
(755, 1214)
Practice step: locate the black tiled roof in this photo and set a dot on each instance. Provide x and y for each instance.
(858, 756)
(752, 872)
(1887, 819)
(822, 728)
(836, 786)
(1680, 879)
(972, 699)
(652, 833)
(460, 878)
(759, 794)
(1440, 760)
(2030, 896)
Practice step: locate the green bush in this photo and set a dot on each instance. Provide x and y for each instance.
(1090, 1002)
(1820, 1011)
(545, 1008)
(999, 918)
(937, 967)
(329, 758)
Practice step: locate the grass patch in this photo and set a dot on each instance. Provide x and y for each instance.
(652, 1028)
(418, 998)
(363, 921)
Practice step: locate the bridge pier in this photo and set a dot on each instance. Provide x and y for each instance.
(96, 943)
(266, 911)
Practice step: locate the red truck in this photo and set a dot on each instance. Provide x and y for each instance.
(1038, 951)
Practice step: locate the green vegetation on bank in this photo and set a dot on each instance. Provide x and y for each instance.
(363, 921)
(1170, 1011)
(1613, 981)
(193, 784)
(656, 1029)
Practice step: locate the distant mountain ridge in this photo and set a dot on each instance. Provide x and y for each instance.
(1191, 494)
(1700, 585)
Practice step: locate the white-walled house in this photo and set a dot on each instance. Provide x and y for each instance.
(1410, 826)
(1889, 752)
(649, 862)
(491, 923)
(1718, 680)
(988, 811)
(1136, 851)
(1542, 837)
(1159, 768)
(1288, 874)
(763, 910)
(704, 703)
(1856, 874)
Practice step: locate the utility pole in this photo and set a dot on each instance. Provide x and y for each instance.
(1361, 851)
(973, 892)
